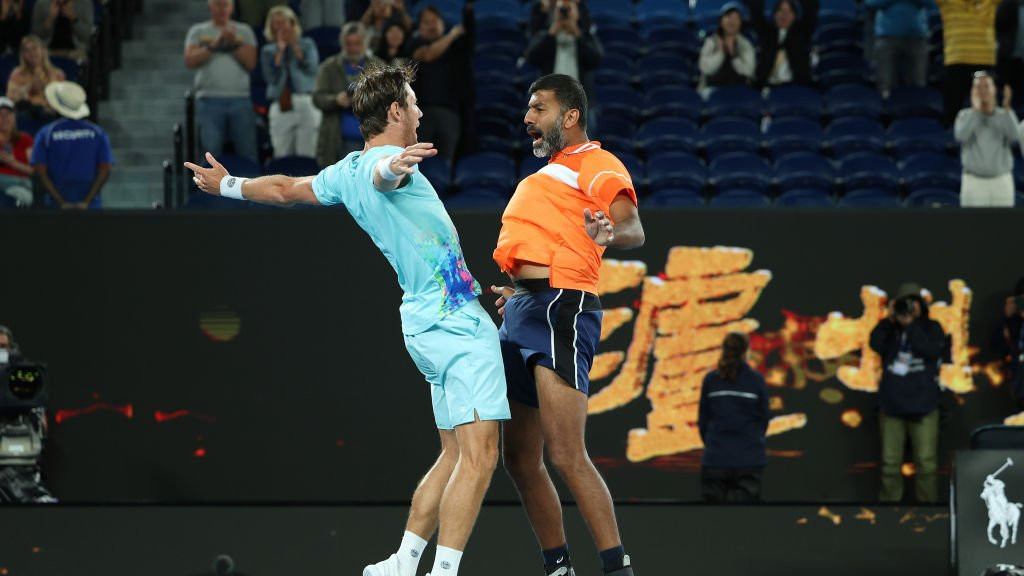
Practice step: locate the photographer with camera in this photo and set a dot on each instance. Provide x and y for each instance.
(912, 346)
(1009, 343)
(562, 42)
(22, 424)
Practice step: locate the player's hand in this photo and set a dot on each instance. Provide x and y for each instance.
(405, 162)
(599, 227)
(504, 293)
(208, 179)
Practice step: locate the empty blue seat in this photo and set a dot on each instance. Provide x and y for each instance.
(529, 165)
(498, 9)
(296, 166)
(740, 171)
(618, 101)
(487, 199)
(680, 101)
(674, 170)
(839, 37)
(730, 134)
(807, 198)
(869, 170)
(804, 170)
(928, 170)
(934, 198)
(662, 11)
(69, 66)
(910, 135)
(870, 198)
(793, 100)
(674, 198)
(501, 101)
(848, 135)
(786, 135)
(658, 70)
(439, 173)
(735, 101)
(740, 198)
(486, 170)
(663, 134)
(671, 38)
(915, 101)
(327, 40)
(853, 100)
(841, 69)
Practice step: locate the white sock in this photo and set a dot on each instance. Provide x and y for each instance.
(410, 551)
(446, 562)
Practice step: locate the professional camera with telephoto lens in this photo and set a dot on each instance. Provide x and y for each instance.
(903, 307)
(23, 396)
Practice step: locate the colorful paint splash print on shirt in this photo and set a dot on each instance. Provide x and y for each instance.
(451, 274)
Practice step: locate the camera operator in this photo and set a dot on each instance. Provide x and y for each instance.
(22, 424)
(1009, 343)
(912, 346)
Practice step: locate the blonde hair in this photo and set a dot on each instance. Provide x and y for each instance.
(289, 14)
(44, 58)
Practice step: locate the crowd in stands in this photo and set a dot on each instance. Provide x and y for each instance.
(740, 102)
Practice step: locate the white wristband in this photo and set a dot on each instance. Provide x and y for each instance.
(231, 187)
(384, 169)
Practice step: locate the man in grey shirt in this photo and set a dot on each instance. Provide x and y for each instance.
(222, 52)
(986, 133)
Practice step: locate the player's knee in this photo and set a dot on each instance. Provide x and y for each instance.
(482, 459)
(519, 464)
(567, 459)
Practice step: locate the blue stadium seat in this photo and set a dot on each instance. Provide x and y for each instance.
(326, 39)
(740, 198)
(615, 132)
(853, 100)
(807, 198)
(845, 37)
(618, 101)
(804, 170)
(530, 164)
(915, 101)
(841, 8)
(634, 166)
(69, 66)
(499, 134)
(297, 166)
(663, 134)
(786, 135)
(501, 41)
(662, 11)
(871, 198)
(439, 173)
(239, 166)
(501, 101)
(740, 171)
(485, 170)
(486, 199)
(658, 70)
(793, 100)
(509, 10)
(674, 170)
(934, 198)
(674, 198)
(494, 69)
(622, 33)
(928, 170)
(730, 134)
(616, 10)
(735, 101)
(868, 170)
(910, 135)
(841, 69)
(679, 101)
(671, 38)
(632, 49)
(853, 134)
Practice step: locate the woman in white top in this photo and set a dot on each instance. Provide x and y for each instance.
(727, 57)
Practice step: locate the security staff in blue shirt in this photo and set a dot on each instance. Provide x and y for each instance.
(733, 420)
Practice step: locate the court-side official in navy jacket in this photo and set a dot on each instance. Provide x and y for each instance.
(733, 420)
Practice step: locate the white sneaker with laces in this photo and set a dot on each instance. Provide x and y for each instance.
(389, 567)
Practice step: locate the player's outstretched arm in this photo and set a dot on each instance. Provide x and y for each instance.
(626, 232)
(278, 190)
(392, 170)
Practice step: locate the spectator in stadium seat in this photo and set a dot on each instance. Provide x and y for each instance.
(727, 57)
(339, 130)
(1010, 57)
(316, 13)
(290, 64)
(901, 43)
(733, 420)
(71, 156)
(391, 46)
(562, 41)
(444, 79)
(15, 147)
(911, 346)
(784, 50)
(383, 13)
(986, 133)
(14, 25)
(968, 30)
(64, 25)
(223, 52)
(27, 82)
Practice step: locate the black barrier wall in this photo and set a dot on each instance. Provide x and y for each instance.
(258, 356)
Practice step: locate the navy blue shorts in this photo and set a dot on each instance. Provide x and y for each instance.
(551, 327)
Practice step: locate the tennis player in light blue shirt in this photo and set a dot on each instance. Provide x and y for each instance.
(450, 337)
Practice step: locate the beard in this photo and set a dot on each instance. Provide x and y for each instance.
(551, 141)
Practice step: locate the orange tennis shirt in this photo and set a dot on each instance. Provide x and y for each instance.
(543, 222)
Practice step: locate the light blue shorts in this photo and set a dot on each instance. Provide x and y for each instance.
(461, 358)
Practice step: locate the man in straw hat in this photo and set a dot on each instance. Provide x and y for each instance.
(71, 156)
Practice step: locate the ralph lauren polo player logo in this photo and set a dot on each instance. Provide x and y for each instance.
(231, 182)
(414, 553)
(446, 565)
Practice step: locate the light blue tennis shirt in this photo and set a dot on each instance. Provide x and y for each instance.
(411, 228)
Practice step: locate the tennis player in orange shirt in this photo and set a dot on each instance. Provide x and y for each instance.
(554, 231)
